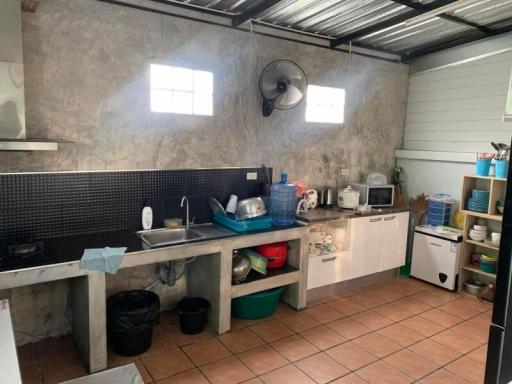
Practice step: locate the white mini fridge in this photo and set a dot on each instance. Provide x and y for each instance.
(436, 256)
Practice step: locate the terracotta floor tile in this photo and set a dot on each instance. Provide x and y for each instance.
(286, 375)
(167, 364)
(348, 328)
(435, 352)
(347, 307)
(456, 341)
(412, 305)
(323, 337)
(294, 347)
(49, 348)
(393, 312)
(350, 379)
(313, 303)
(324, 313)
(484, 319)
(368, 300)
(443, 376)
(27, 354)
(56, 369)
(262, 359)
(193, 376)
(182, 339)
(241, 340)
(115, 360)
(299, 322)
(382, 373)
(271, 330)
(462, 308)
(283, 310)
(436, 298)
(387, 294)
(422, 326)
(146, 377)
(206, 351)
(237, 323)
(372, 320)
(473, 331)
(255, 380)
(351, 355)
(160, 342)
(377, 345)
(468, 369)
(410, 363)
(479, 354)
(410, 286)
(442, 318)
(30, 373)
(227, 371)
(401, 335)
(321, 368)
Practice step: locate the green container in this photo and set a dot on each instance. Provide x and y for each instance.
(257, 305)
(488, 266)
(405, 270)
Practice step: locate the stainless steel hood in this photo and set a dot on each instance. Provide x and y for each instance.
(13, 135)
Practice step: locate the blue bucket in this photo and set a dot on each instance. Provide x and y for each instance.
(501, 168)
(483, 167)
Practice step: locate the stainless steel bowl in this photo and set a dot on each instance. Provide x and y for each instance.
(241, 267)
(474, 287)
(249, 208)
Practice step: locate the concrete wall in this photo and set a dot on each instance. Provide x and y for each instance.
(87, 80)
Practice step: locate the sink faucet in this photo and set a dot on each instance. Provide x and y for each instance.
(187, 219)
(302, 206)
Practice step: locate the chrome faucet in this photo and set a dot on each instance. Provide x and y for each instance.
(302, 206)
(187, 219)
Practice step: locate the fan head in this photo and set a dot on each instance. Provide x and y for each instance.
(282, 85)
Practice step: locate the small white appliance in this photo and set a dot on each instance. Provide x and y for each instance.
(436, 256)
(375, 195)
(348, 198)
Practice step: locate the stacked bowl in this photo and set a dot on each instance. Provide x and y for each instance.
(479, 201)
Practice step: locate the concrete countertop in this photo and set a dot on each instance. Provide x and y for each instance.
(318, 215)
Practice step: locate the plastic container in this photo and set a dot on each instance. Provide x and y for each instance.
(283, 201)
(439, 208)
(193, 314)
(131, 316)
(501, 168)
(257, 305)
(240, 226)
(488, 266)
(275, 253)
(483, 166)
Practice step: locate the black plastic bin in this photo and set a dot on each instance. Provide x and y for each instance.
(193, 314)
(131, 316)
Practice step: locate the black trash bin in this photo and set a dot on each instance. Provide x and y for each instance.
(193, 314)
(131, 316)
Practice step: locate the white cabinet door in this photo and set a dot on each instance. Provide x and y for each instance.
(364, 245)
(329, 261)
(393, 240)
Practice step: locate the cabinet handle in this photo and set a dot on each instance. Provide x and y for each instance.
(326, 260)
(375, 220)
(437, 245)
(389, 218)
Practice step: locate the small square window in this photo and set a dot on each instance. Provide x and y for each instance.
(181, 90)
(325, 104)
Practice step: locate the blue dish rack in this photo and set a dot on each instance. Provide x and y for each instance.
(439, 210)
(248, 225)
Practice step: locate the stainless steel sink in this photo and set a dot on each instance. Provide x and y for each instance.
(159, 237)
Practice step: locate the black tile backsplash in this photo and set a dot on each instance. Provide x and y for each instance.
(46, 205)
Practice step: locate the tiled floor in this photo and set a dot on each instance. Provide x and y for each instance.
(402, 331)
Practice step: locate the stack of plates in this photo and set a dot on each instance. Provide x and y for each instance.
(479, 201)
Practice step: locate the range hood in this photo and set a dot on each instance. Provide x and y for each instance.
(13, 136)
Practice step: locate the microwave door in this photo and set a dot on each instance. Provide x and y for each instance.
(380, 196)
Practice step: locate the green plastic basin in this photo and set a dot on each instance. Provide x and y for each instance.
(257, 305)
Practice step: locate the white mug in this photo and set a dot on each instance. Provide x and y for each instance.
(231, 207)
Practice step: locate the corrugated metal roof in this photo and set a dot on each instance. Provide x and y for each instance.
(399, 26)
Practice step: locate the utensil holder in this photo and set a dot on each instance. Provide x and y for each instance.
(501, 168)
(483, 167)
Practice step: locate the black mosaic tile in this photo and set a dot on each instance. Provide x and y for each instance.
(47, 205)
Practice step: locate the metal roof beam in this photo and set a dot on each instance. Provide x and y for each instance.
(388, 23)
(446, 16)
(251, 13)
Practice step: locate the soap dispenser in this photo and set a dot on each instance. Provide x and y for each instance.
(147, 216)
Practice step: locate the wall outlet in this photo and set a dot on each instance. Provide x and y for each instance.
(344, 172)
(252, 176)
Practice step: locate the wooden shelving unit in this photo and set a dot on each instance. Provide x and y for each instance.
(497, 189)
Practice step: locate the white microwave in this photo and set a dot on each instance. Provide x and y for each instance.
(375, 195)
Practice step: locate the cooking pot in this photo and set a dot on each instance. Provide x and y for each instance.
(348, 198)
(241, 267)
(275, 253)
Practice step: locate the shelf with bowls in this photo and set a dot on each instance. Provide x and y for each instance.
(480, 202)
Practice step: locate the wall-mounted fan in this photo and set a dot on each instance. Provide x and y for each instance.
(282, 85)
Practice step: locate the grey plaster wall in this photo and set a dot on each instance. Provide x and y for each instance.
(87, 80)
